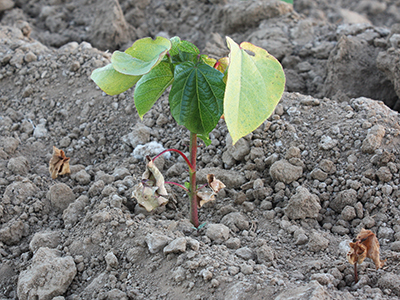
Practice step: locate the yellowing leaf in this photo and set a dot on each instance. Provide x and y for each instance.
(254, 86)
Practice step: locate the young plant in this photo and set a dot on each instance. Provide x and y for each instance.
(243, 88)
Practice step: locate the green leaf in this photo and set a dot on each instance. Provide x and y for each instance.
(139, 59)
(111, 81)
(182, 46)
(151, 86)
(205, 138)
(254, 87)
(288, 1)
(196, 97)
(187, 185)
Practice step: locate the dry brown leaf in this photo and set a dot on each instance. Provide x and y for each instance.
(204, 197)
(215, 184)
(365, 245)
(150, 192)
(59, 163)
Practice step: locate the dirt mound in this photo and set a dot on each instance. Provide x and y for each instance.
(299, 188)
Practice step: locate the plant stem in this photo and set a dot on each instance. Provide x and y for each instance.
(194, 217)
(177, 184)
(355, 273)
(180, 153)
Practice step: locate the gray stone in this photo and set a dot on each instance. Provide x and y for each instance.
(48, 276)
(239, 150)
(327, 142)
(96, 188)
(18, 165)
(111, 260)
(236, 221)
(179, 274)
(231, 178)
(265, 254)
(386, 233)
(327, 166)
(121, 173)
(116, 294)
(323, 278)
(40, 129)
(6, 4)
(18, 192)
(82, 177)
(74, 211)
(348, 213)
(374, 139)
(302, 205)
(156, 241)
(390, 281)
(342, 199)
(9, 144)
(311, 291)
(176, 246)
(193, 244)
(318, 174)
(292, 152)
(12, 232)
(49, 239)
(246, 269)
(395, 246)
(233, 243)
(317, 242)
(140, 135)
(60, 196)
(217, 232)
(384, 174)
(284, 171)
(246, 253)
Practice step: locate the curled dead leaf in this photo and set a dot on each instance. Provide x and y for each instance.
(204, 197)
(365, 245)
(59, 163)
(150, 193)
(215, 184)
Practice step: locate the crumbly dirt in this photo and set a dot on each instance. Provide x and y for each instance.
(340, 159)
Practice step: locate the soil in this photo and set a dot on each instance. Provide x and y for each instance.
(298, 189)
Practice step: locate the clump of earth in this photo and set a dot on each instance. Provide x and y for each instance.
(298, 189)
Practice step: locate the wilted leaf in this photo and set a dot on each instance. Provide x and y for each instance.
(150, 192)
(204, 197)
(147, 196)
(215, 184)
(365, 245)
(59, 163)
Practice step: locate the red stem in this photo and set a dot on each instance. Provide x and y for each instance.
(180, 153)
(355, 273)
(194, 217)
(177, 184)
